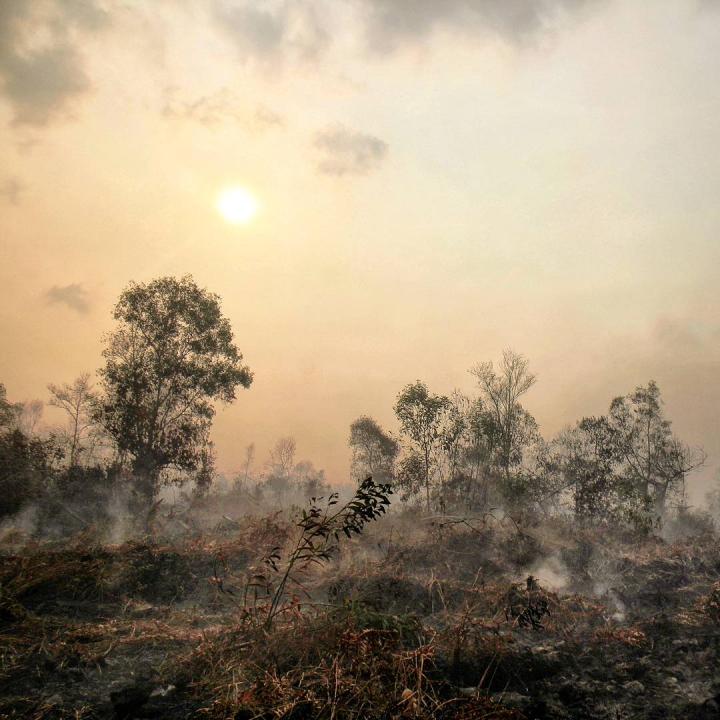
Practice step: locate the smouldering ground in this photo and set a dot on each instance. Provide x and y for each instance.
(414, 619)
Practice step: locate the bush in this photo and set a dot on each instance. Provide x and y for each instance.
(24, 470)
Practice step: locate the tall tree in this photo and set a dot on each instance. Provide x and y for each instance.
(373, 451)
(78, 402)
(655, 461)
(169, 358)
(513, 428)
(421, 416)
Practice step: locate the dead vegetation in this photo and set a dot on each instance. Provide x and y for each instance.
(408, 620)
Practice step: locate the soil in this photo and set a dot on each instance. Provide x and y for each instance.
(146, 630)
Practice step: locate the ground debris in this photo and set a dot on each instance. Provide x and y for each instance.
(528, 605)
(94, 631)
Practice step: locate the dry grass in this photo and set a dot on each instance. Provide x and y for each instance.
(374, 637)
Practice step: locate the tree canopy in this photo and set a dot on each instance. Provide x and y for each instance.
(169, 358)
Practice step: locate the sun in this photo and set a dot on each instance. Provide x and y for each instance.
(237, 205)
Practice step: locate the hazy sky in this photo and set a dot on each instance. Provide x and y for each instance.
(438, 181)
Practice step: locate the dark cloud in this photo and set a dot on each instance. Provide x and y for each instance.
(221, 106)
(302, 29)
(40, 79)
(348, 152)
(74, 296)
(10, 190)
(389, 23)
(289, 30)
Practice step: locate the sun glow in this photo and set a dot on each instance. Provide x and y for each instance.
(237, 205)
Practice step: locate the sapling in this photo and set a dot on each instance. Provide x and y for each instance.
(320, 528)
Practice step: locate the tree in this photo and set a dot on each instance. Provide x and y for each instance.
(373, 450)
(170, 357)
(454, 434)
(242, 479)
(512, 428)
(478, 455)
(204, 474)
(9, 412)
(655, 461)
(280, 466)
(24, 470)
(589, 462)
(25, 462)
(421, 415)
(310, 482)
(282, 456)
(31, 412)
(78, 402)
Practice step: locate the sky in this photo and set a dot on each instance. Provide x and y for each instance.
(436, 181)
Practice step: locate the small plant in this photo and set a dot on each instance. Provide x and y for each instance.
(321, 527)
(263, 592)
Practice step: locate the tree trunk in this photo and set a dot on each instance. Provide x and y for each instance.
(146, 472)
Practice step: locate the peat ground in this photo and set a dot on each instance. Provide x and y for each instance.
(424, 618)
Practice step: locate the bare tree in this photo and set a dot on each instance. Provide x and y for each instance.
(77, 401)
(501, 391)
(280, 466)
(31, 412)
(282, 457)
(249, 460)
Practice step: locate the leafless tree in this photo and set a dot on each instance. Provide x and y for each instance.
(501, 391)
(31, 413)
(282, 457)
(249, 460)
(76, 400)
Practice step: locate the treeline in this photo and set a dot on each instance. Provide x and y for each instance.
(171, 357)
(146, 423)
(282, 480)
(470, 454)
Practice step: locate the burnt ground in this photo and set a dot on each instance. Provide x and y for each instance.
(439, 623)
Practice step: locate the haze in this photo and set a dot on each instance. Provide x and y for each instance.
(438, 181)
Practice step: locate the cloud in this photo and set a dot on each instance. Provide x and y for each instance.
(684, 338)
(10, 190)
(218, 107)
(41, 70)
(73, 296)
(389, 23)
(289, 30)
(348, 152)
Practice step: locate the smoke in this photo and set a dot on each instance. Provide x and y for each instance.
(20, 527)
(551, 572)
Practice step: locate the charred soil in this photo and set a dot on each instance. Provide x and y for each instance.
(455, 620)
